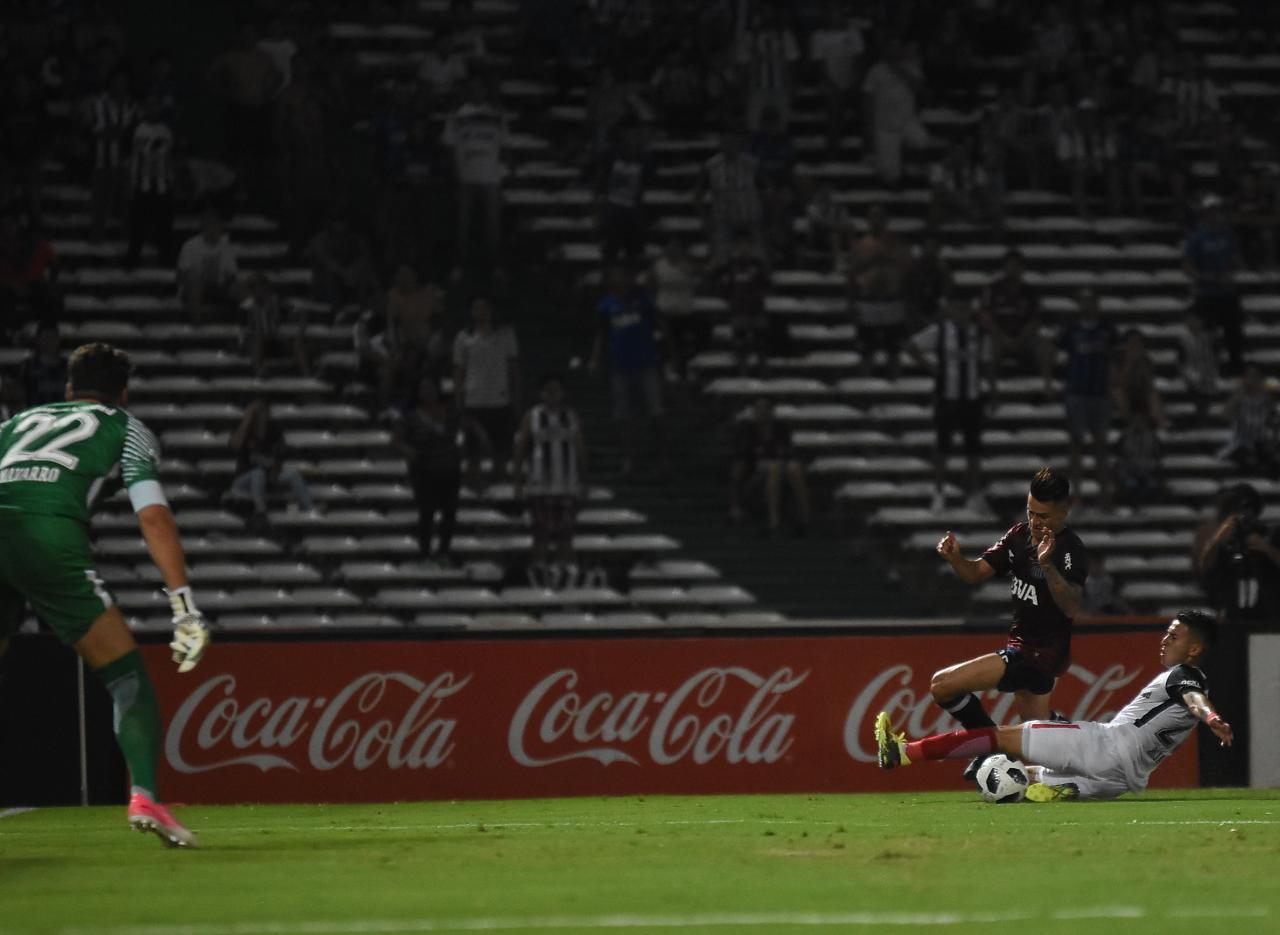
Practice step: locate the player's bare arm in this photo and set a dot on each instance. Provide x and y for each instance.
(160, 531)
(970, 571)
(1198, 704)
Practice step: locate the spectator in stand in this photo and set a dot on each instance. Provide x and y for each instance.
(1195, 97)
(990, 151)
(772, 149)
(620, 187)
(1255, 215)
(427, 436)
(1053, 41)
(1150, 154)
(477, 133)
(162, 84)
(263, 338)
(1011, 315)
(889, 109)
(949, 58)
(1101, 596)
(443, 68)
(43, 373)
(413, 340)
(1237, 558)
(1255, 427)
(729, 185)
(930, 281)
(762, 455)
(827, 226)
(1134, 380)
(625, 332)
(207, 270)
(28, 276)
(1198, 364)
(1090, 345)
(110, 118)
(742, 279)
(151, 177)
(1138, 467)
(611, 104)
(1211, 257)
(551, 475)
(678, 90)
(878, 268)
(342, 271)
(960, 188)
(768, 51)
(835, 51)
(1089, 153)
(281, 49)
(956, 350)
(248, 80)
(673, 281)
(260, 450)
(302, 153)
(486, 381)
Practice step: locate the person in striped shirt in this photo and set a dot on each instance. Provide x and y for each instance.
(110, 118)
(151, 178)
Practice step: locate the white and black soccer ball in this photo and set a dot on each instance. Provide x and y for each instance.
(1002, 780)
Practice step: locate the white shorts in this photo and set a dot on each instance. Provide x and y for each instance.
(1084, 753)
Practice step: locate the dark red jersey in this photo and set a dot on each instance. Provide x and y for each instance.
(1039, 624)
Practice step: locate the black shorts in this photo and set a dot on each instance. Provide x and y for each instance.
(1023, 672)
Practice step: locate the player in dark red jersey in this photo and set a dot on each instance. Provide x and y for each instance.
(1047, 565)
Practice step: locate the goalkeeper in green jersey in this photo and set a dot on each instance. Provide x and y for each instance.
(56, 462)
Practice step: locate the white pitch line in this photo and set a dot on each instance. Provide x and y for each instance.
(10, 812)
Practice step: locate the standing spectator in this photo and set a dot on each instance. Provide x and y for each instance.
(1134, 381)
(1254, 444)
(1195, 97)
(151, 177)
(43, 373)
(729, 185)
(771, 146)
(929, 283)
(263, 337)
(624, 176)
(1138, 467)
(281, 49)
(1198, 363)
(743, 280)
(1090, 344)
(427, 436)
(110, 118)
(162, 85)
(610, 105)
(673, 280)
(768, 52)
(413, 337)
(960, 188)
(1211, 257)
(827, 227)
(302, 153)
(678, 90)
(443, 68)
(625, 331)
(551, 473)
(836, 51)
(477, 133)
(1011, 314)
(1255, 214)
(889, 109)
(342, 271)
(1150, 153)
(958, 353)
(763, 454)
(248, 80)
(486, 380)
(260, 449)
(1088, 151)
(879, 265)
(28, 276)
(207, 270)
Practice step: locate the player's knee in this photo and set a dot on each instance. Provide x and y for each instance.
(940, 686)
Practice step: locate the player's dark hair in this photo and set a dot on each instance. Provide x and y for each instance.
(98, 370)
(1050, 486)
(1203, 626)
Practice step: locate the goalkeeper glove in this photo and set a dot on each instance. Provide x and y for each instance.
(190, 632)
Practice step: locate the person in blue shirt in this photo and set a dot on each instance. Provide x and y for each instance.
(1211, 257)
(1090, 343)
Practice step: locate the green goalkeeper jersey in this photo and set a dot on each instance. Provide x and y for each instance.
(61, 459)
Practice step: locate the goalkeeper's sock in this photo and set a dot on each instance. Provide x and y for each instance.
(136, 718)
(957, 745)
(968, 710)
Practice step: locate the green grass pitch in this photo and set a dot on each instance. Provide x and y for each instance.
(1203, 861)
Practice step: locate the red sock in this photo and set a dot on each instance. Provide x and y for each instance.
(958, 745)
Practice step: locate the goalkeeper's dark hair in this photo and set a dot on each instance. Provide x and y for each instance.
(1203, 626)
(1050, 486)
(98, 370)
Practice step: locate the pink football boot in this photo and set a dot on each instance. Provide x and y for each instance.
(146, 814)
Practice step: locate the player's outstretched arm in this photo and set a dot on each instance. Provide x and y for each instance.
(1198, 704)
(969, 571)
(190, 633)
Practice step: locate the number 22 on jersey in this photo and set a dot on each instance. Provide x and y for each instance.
(39, 426)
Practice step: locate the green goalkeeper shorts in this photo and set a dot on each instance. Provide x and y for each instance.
(46, 562)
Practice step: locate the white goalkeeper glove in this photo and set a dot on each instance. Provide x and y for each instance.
(190, 632)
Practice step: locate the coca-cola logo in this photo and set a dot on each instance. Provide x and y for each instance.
(699, 720)
(917, 713)
(364, 723)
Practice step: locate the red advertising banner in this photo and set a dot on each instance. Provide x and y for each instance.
(381, 721)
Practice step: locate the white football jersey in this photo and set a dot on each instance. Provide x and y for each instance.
(1156, 721)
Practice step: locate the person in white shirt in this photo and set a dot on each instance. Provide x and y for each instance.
(836, 52)
(151, 177)
(207, 270)
(889, 93)
(768, 51)
(673, 280)
(477, 133)
(486, 381)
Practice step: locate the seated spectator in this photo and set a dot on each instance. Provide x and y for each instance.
(1133, 383)
(207, 270)
(1011, 315)
(413, 341)
(1090, 345)
(835, 51)
(1088, 152)
(551, 474)
(827, 227)
(620, 187)
(263, 338)
(879, 265)
(486, 388)
(742, 279)
(1211, 257)
(427, 436)
(625, 331)
(42, 375)
(1198, 363)
(889, 109)
(342, 271)
(762, 456)
(260, 452)
(1138, 469)
(1255, 215)
(961, 189)
(673, 281)
(958, 353)
(729, 185)
(1255, 427)
(477, 134)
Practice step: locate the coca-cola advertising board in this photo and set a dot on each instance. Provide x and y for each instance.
(379, 721)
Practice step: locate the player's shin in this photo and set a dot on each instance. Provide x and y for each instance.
(957, 745)
(968, 710)
(136, 718)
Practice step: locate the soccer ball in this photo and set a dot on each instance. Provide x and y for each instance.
(1001, 779)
